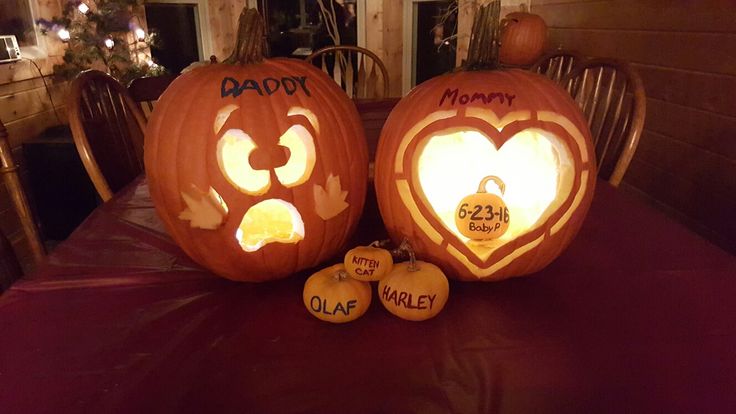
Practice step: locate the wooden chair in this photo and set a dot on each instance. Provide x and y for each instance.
(108, 131)
(557, 64)
(10, 268)
(146, 91)
(357, 71)
(611, 95)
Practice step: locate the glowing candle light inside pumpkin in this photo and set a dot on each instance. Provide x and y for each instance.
(109, 43)
(533, 165)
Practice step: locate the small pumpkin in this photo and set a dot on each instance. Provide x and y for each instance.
(483, 215)
(523, 36)
(368, 263)
(414, 290)
(332, 296)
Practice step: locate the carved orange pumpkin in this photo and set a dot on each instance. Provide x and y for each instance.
(257, 167)
(450, 133)
(523, 36)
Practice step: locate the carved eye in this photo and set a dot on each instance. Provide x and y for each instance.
(233, 150)
(299, 167)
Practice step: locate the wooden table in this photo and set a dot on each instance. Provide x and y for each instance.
(637, 315)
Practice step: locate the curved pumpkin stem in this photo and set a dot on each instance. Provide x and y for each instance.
(340, 275)
(250, 40)
(405, 247)
(379, 243)
(498, 181)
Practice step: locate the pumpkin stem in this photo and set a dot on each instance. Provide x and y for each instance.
(379, 243)
(484, 38)
(498, 181)
(405, 247)
(340, 275)
(250, 40)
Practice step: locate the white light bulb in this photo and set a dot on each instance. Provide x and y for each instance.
(109, 43)
(83, 8)
(140, 34)
(63, 35)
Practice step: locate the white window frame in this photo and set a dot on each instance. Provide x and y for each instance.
(40, 50)
(360, 11)
(408, 55)
(202, 25)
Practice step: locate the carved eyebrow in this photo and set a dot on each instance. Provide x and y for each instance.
(223, 115)
(311, 117)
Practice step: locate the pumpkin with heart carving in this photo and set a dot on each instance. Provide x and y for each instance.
(452, 133)
(258, 167)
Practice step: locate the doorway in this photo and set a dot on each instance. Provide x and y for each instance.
(428, 28)
(176, 26)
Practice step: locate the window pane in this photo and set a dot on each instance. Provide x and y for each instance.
(295, 27)
(434, 55)
(16, 19)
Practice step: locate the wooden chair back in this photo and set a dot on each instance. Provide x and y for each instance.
(355, 69)
(9, 266)
(611, 95)
(10, 269)
(108, 131)
(557, 64)
(146, 91)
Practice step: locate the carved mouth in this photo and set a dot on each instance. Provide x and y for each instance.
(270, 221)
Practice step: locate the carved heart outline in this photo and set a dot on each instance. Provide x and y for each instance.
(549, 122)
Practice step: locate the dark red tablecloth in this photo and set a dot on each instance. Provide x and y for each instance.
(638, 315)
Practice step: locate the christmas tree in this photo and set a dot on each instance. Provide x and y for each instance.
(105, 35)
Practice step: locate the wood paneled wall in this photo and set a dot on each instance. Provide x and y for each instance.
(685, 52)
(384, 36)
(26, 111)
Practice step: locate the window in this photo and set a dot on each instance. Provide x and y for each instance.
(295, 28)
(17, 18)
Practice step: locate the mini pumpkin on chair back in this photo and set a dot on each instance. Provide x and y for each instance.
(257, 167)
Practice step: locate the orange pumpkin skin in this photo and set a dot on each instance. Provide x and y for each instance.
(332, 296)
(523, 37)
(368, 263)
(181, 152)
(433, 109)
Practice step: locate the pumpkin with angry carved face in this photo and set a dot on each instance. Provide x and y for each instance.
(257, 167)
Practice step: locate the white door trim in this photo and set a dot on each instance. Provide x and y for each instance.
(410, 44)
(202, 24)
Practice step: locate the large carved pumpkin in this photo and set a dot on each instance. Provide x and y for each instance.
(495, 128)
(453, 131)
(257, 167)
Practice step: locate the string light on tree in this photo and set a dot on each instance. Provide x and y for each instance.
(63, 35)
(83, 8)
(140, 34)
(106, 33)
